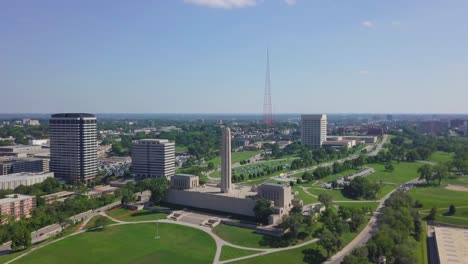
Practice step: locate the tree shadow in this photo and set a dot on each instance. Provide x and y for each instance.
(313, 256)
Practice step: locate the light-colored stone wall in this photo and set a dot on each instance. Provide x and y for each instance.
(241, 206)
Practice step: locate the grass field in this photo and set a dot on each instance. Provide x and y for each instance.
(130, 216)
(130, 244)
(237, 157)
(307, 199)
(181, 149)
(371, 205)
(240, 236)
(441, 157)
(232, 253)
(306, 254)
(335, 194)
(404, 171)
(442, 198)
(91, 221)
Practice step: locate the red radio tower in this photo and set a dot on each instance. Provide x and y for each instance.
(267, 113)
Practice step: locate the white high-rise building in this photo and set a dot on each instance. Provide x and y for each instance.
(73, 146)
(153, 158)
(226, 161)
(313, 130)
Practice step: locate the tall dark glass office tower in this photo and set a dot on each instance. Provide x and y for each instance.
(73, 147)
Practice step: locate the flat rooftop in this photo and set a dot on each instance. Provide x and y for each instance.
(452, 245)
(11, 198)
(23, 176)
(72, 115)
(185, 175)
(236, 191)
(62, 193)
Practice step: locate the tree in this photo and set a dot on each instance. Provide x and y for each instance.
(210, 166)
(440, 172)
(356, 221)
(292, 223)
(263, 210)
(100, 222)
(425, 172)
(325, 199)
(20, 237)
(329, 241)
(452, 210)
(389, 167)
(158, 188)
(432, 214)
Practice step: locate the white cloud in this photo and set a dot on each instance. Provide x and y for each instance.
(363, 72)
(396, 22)
(290, 2)
(226, 4)
(367, 24)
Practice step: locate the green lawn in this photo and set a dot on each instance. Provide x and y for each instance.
(404, 171)
(307, 199)
(456, 180)
(232, 252)
(181, 149)
(386, 188)
(143, 215)
(237, 157)
(306, 254)
(438, 197)
(335, 194)
(442, 198)
(441, 157)
(240, 236)
(91, 221)
(117, 212)
(130, 244)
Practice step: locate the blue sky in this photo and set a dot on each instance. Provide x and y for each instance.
(209, 56)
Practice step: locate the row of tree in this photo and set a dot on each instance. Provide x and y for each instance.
(399, 228)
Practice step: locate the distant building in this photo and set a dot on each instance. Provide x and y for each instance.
(73, 146)
(375, 131)
(153, 158)
(31, 122)
(313, 130)
(17, 205)
(38, 142)
(29, 165)
(11, 181)
(58, 196)
(19, 151)
(340, 144)
(184, 181)
(433, 127)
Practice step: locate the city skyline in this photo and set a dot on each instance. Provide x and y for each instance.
(187, 56)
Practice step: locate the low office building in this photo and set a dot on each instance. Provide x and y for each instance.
(153, 158)
(184, 181)
(6, 167)
(20, 151)
(17, 206)
(39, 142)
(11, 181)
(339, 144)
(17, 165)
(30, 165)
(58, 196)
